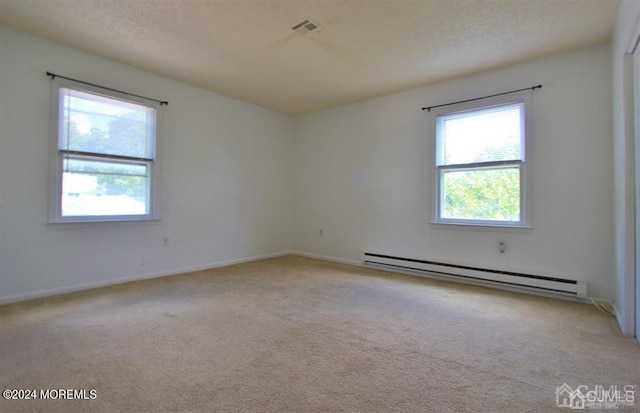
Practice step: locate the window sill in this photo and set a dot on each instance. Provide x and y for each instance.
(481, 227)
(104, 223)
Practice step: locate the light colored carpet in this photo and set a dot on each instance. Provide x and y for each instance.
(293, 334)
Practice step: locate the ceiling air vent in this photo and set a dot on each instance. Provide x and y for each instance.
(305, 27)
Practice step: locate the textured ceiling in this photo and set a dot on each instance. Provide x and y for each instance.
(364, 48)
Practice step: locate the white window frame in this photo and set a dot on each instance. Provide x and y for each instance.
(57, 156)
(523, 98)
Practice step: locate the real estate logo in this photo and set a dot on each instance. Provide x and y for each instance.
(598, 397)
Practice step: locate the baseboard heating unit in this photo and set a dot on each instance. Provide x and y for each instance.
(514, 281)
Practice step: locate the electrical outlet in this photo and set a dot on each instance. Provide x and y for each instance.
(320, 233)
(502, 247)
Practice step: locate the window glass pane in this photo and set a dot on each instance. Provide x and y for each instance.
(101, 125)
(92, 187)
(493, 134)
(481, 194)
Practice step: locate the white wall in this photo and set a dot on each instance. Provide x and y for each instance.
(363, 173)
(628, 15)
(224, 188)
(233, 175)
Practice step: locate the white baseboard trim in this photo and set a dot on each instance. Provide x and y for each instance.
(326, 258)
(81, 287)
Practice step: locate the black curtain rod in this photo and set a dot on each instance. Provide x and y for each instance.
(53, 76)
(483, 97)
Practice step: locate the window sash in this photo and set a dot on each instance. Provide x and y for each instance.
(123, 110)
(517, 165)
(132, 208)
(486, 135)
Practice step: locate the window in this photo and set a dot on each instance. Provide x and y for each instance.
(480, 165)
(104, 156)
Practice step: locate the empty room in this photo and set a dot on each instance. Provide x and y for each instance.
(319, 205)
